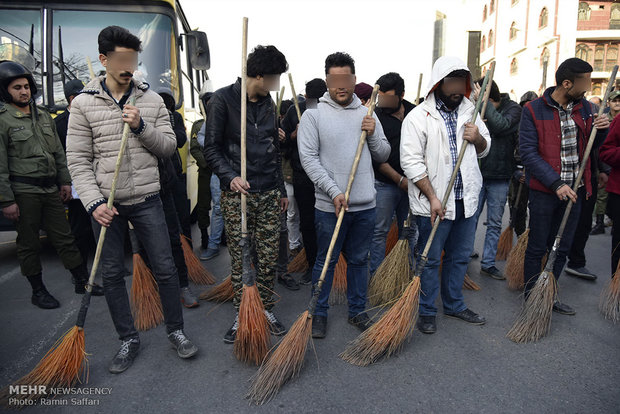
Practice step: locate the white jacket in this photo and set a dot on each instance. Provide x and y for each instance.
(425, 148)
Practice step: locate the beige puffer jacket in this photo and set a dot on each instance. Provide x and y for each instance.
(93, 141)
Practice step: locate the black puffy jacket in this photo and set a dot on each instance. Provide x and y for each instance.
(222, 149)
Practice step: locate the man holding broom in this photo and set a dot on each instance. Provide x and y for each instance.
(264, 188)
(554, 133)
(431, 138)
(93, 141)
(328, 139)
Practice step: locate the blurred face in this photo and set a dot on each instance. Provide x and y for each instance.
(341, 84)
(578, 89)
(264, 84)
(120, 64)
(389, 102)
(614, 105)
(19, 90)
(452, 91)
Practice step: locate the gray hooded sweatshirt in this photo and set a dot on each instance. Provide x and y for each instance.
(327, 139)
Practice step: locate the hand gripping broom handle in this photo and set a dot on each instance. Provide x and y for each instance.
(93, 271)
(586, 155)
(444, 202)
(356, 161)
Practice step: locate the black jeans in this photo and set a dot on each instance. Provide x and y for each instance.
(577, 255)
(304, 195)
(79, 220)
(613, 211)
(150, 227)
(545, 220)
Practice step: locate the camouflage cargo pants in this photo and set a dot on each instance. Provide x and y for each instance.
(264, 227)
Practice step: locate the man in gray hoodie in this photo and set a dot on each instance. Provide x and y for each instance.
(328, 138)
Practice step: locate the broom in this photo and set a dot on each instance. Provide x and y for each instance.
(290, 79)
(63, 364)
(609, 303)
(391, 239)
(534, 320)
(514, 263)
(252, 339)
(338, 294)
(224, 292)
(144, 296)
(394, 273)
(504, 244)
(287, 360)
(387, 335)
(299, 264)
(195, 270)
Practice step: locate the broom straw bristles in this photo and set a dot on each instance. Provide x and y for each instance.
(504, 245)
(609, 303)
(283, 363)
(469, 284)
(388, 334)
(299, 264)
(145, 302)
(63, 365)
(392, 276)
(223, 292)
(534, 320)
(253, 338)
(338, 294)
(195, 270)
(514, 263)
(392, 238)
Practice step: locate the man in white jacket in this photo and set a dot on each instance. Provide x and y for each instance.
(431, 138)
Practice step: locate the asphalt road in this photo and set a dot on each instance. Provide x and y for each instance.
(462, 368)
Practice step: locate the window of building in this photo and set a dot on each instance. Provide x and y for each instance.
(491, 37)
(513, 31)
(483, 43)
(543, 18)
(614, 22)
(611, 58)
(513, 2)
(514, 66)
(492, 6)
(583, 52)
(484, 13)
(599, 57)
(584, 11)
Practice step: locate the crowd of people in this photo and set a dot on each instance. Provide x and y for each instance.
(297, 173)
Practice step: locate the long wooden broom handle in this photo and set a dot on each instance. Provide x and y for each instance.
(347, 194)
(279, 102)
(290, 79)
(244, 124)
(582, 167)
(417, 99)
(446, 196)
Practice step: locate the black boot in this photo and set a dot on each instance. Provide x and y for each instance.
(40, 296)
(599, 227)
(80, 280)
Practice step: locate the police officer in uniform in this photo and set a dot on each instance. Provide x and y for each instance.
(32, 170)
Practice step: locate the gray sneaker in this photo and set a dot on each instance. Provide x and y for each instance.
(493, 272)
(185, 348)
(188, 299)
(581, 272)
(209, 253)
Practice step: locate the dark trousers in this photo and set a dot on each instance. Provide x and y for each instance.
(203, 205)
(304, 195)
(79, 220)
(47, 210)
(613, 211)
(520, 210)
(577, 254)
(547, 212)
(182, 205)
(149, 224)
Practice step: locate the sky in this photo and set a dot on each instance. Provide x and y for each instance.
(381, 35)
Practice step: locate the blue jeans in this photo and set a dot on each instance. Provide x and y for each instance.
(456, 238)
(495, 193)
(217, 221)
(150, 226)
(390, 200)
(354, 241)
(546, 214)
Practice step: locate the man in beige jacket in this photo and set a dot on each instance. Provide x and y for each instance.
(93, 141)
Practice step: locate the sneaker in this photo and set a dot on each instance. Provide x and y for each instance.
(288, 282)
(581, 272)
(43, 299)
(188, 299)
(319, 326)
(361, 321)
(229, 338)
(306, 279)
(563, 308)
(125, 356)
(493, 272)
(275, 327)
(468, 316)
(185, 348)
(427, 324)
(209, 253)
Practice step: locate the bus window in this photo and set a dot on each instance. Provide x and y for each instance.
(20, 40)
(79, 31)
